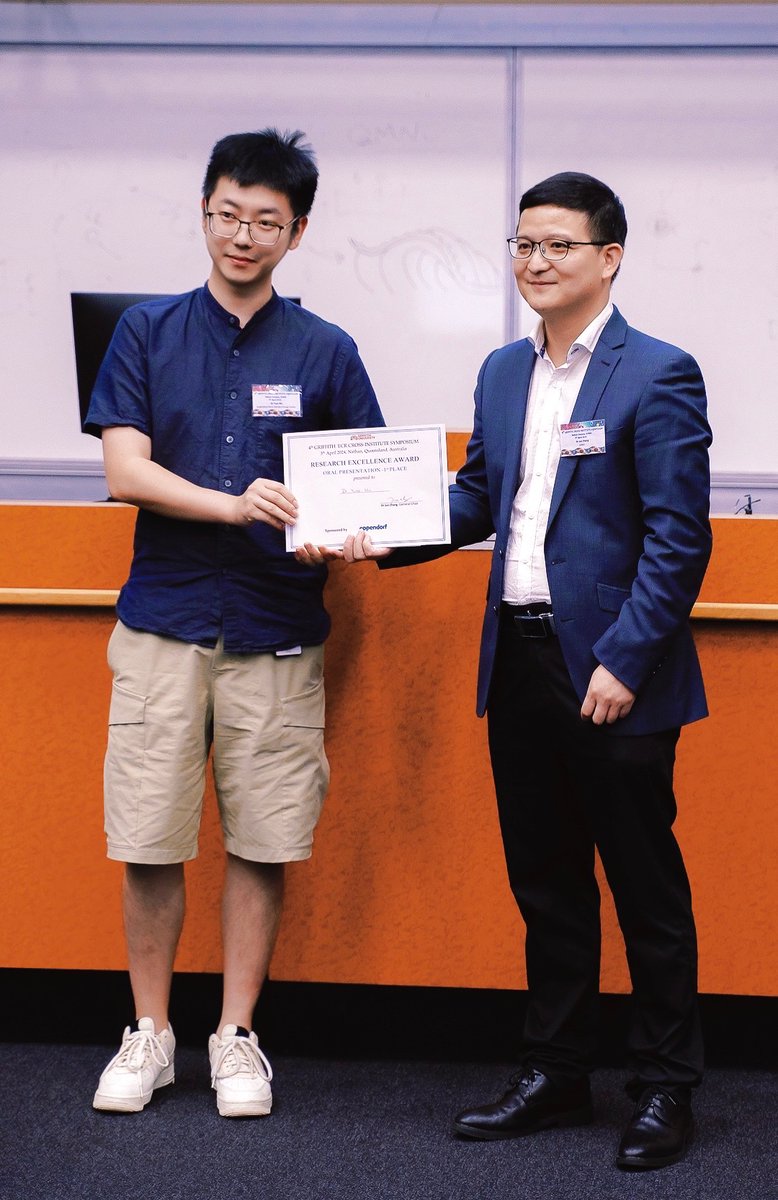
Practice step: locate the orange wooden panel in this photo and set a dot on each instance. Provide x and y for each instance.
(744, 564)
(407, 884)
(728, 809)
(65, 545)
(456, 446)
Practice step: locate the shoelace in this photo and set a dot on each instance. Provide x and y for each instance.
(136, 1051)
(652, 1101)
(523, 1079)
(237, 1055)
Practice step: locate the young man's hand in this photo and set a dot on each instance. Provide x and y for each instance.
(356, 548)
(315, 556)
(266, 500)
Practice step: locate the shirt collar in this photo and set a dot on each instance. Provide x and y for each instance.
(262, 314)
(586, 340)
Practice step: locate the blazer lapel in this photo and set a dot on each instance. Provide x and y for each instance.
(516, 395)
(606, 355)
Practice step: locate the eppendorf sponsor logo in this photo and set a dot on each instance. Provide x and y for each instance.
(371, 528)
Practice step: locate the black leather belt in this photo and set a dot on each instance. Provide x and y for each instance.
(530, 620)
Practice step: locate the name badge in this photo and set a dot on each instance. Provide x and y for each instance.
(276, 400)
(582, 437)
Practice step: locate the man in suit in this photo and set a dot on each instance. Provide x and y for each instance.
(589, 460)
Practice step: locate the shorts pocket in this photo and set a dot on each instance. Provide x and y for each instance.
(123, 770)
(127, 708)
(306, 709)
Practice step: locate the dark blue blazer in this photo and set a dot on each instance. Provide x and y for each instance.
(628, 536)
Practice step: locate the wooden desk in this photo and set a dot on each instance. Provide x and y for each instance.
(407, 884)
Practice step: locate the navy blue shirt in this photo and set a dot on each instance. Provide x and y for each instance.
(180, 369)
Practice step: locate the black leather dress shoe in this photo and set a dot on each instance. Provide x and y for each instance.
(532, 1102)
(658, 1133)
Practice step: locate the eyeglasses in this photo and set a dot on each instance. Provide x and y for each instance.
(552, 249)
(264, 233)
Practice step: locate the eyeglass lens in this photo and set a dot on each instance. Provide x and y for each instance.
(551, 249)
(227, 225)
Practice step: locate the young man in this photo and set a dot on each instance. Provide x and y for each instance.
(219, 639)
(589, 459)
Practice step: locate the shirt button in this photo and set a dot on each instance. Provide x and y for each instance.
(233, 395)
(236, 354)
(233, 320)
(228, 483)
(229, 439)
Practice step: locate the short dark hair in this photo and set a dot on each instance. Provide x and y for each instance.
(582, 193)
(282, 162)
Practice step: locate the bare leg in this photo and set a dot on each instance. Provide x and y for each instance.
(154, 901)
(251, 911)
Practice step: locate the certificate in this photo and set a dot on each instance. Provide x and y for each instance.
(391, 482)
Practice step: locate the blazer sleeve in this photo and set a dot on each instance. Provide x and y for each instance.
(671, 441)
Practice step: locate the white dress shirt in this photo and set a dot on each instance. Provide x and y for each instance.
(553, 392)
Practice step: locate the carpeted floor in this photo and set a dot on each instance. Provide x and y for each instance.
(353, 1131)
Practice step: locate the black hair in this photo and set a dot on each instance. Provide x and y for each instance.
(582, 193)
(282, 162)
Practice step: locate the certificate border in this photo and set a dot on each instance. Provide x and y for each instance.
(437, 428)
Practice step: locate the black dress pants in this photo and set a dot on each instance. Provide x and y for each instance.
(564, 787)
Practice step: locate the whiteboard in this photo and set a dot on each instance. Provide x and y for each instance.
(689, 143)
(423, 155)
(106, 151)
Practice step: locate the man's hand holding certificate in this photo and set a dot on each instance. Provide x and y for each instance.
(392, 483)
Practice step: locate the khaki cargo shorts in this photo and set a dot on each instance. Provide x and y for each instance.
(263, 716)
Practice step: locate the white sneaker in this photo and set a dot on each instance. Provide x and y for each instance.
(144, 1062)
(240, 1073)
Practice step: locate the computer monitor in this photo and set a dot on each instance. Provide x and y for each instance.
(95, 315)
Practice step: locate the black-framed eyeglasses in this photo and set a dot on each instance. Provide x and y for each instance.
(264, 233)
(552, 249)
